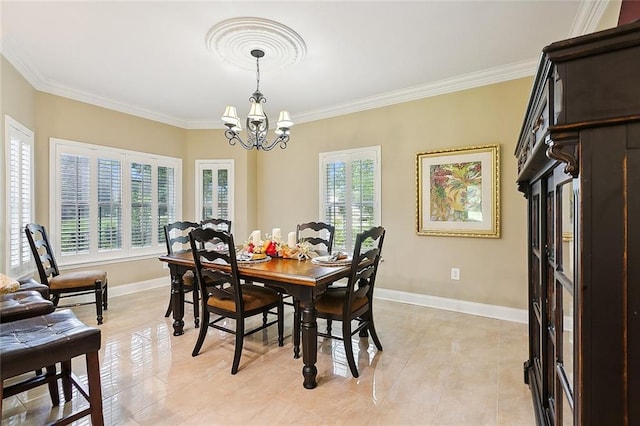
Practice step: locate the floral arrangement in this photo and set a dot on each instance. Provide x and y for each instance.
(275, 247)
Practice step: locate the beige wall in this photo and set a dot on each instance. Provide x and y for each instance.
(280, 188)
(493, 271)
(18, 100)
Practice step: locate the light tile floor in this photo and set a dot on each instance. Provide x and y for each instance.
(437, 368)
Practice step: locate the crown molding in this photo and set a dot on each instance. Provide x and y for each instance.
(39, 83)
(463, 82)
(467, 81)
(111, 104)
(588, 16)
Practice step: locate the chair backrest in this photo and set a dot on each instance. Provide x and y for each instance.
(318, 234)
(42, 252)
(176, 235)
(219, 224)
(364, 266)
(215, 282)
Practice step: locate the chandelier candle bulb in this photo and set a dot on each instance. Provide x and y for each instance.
(291, 240)
(276, 234)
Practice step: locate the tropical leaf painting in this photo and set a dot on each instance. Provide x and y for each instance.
(456, 192)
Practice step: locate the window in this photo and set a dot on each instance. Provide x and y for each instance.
(19, 196)
(109, 203)
(350, 193)
(214, 186)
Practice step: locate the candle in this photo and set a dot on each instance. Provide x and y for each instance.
(256, 236)
(291, 239)
(276, 234)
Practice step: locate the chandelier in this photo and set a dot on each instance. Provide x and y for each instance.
(257, 121)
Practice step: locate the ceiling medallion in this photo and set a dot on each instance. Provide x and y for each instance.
(232, 39)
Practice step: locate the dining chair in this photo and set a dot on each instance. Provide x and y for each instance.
(318, 234)
(224, 295)
(177, 238)
(69, 284)
(219, 224)
(355, 301)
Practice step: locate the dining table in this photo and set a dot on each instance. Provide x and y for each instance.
(303, 279)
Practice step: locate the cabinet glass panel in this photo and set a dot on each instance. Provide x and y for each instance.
(566, 412)
(568, 344)
(567, 229)
(550, 246)
(535, 221)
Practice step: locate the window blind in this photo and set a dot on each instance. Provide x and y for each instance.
(19, 196)
(214, 183)
(350, 193)
(141, 208)
(109, 204)
(166, 199)
(75, 226)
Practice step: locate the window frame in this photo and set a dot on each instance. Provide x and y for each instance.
(218, 164)
(59, 147)
(13, 127)
(348, 156)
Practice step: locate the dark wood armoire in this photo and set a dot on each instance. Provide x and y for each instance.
(579, 168)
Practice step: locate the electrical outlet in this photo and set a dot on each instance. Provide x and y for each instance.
(455, 274)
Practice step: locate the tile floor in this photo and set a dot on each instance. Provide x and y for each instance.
(437, 368)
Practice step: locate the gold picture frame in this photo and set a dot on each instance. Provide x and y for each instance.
(458, 192)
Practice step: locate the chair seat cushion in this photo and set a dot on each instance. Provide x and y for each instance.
(37, 342)
(23, 304)
(253, 297)
(332, 302)
(187, 279)
(77, 279)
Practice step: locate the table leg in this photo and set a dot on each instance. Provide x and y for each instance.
(309, 344)
(177, 303)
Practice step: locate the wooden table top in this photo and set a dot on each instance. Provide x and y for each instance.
(292, 271)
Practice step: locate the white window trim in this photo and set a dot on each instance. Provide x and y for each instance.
(60, 146)
(10, 126)
(202, 165)
(350, 155)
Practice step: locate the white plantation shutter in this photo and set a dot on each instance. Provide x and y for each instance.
(335, 200)
(110, 203)
(166, 199)
(75, 219)
(141, 205)
(214, 186)
(350, 193)
(222, 194)
(19, 196)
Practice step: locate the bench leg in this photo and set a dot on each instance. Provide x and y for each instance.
(66, 380)
(52, 382)
(95, 391)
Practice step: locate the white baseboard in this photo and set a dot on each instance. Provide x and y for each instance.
(462, 306)
(124, 289)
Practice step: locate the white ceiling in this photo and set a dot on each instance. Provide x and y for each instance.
(151, 59)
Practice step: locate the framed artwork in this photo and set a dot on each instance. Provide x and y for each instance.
(458, 192)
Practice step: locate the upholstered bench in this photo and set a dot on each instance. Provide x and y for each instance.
(42, 342)
(29, 284)
(23, 304)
